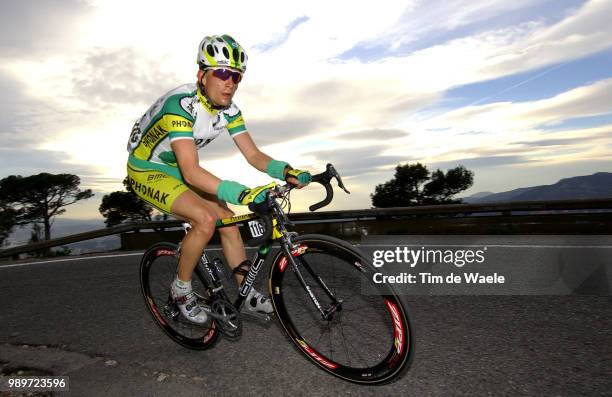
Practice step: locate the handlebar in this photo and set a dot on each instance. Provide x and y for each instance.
(263, 209)
(324, 179)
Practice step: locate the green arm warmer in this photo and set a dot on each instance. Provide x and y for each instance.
(276, 169)
(229, 191)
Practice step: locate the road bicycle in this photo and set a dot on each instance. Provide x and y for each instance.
(321, 288)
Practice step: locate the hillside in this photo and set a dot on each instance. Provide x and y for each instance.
(598, 185)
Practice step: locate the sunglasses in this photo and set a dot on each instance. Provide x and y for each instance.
(225, 74)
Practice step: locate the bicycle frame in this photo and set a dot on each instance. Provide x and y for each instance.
(257, 261)
(261, 255)
(276, 221)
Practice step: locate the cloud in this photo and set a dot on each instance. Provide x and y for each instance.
(13, 110)
(585, 32)
(590, 100)
(118, 76)
(338, 104)
(552, 142)
(499, 52)
(357, 162)
(271, 131)
(280, 38)
(39, 28)
(26, 162)
(381, 135)
(421, 25)
(333, 28)
(482, 162)
(26, 120)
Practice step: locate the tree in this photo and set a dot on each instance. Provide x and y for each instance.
(8, 220)
(443, 187)
(120, 206)
(35, 233)
(405, 188)
(40, 198)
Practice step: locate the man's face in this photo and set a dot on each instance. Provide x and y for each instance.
(219, 91)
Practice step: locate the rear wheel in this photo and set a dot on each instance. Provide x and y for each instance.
(367, 336)
(157, 271)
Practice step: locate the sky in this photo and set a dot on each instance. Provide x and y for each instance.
(519, 91)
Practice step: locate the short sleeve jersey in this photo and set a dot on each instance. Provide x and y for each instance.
(182, 113)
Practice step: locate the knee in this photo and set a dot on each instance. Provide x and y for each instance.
(204, 222)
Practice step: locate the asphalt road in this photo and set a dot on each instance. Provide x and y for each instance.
(86, 319)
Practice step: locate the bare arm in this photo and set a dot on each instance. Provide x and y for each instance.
(257, 158)
(251, 152)
(187, 159)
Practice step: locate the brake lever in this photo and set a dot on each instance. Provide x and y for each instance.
(333, 173)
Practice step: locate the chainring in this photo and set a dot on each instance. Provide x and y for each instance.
(230, 323)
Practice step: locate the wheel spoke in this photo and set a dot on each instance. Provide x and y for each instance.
(356, 350)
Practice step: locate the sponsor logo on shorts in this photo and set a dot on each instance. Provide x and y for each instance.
(149, 192)
(156, 177)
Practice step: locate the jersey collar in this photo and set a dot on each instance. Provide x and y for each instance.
(206, 103)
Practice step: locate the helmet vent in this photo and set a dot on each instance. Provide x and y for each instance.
(215, 51)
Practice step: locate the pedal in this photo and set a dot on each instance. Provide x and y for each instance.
(170, 309)
(263, 317)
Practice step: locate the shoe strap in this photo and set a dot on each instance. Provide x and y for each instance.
(183, 299)
(243, 268)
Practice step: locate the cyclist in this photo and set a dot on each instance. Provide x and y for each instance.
(164, 170)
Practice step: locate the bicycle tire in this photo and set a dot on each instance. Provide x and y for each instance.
(157, 270)
(381, 315)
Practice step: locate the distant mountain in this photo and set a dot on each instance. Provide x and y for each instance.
(598, 185)
(479, 194)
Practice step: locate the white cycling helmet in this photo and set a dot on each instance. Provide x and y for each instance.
(221, 51)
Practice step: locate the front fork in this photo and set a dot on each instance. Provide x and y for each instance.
(296, 262)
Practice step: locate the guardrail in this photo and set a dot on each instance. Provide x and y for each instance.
(511, 209)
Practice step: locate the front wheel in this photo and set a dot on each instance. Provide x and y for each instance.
(353, 328)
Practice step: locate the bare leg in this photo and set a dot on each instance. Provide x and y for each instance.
(233, 248)
(202, 217)
(231, 240)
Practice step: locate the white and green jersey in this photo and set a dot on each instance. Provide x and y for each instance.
(183, 113)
